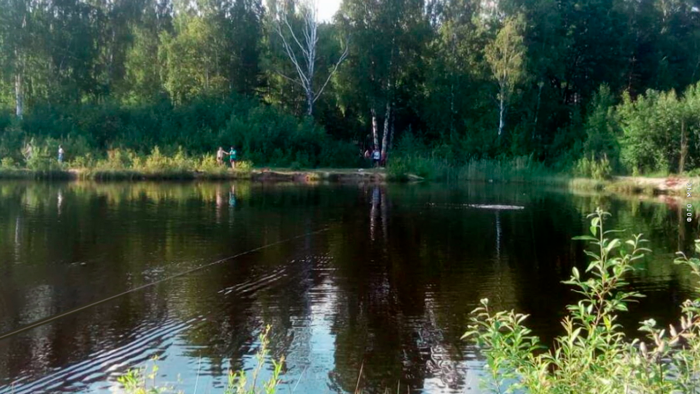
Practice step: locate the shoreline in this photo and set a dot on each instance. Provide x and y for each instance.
(674, 186)
(255, 175)
(627, 185)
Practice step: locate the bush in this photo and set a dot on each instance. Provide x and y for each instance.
(264, 134)
(601, 128)
(592, 168)
(426, 167)
(8, 163)
(594, 354)
(42, 159)
(11, 141)
(339, 154)
(86, 161)
(119, 159)
(658, 130)
(244, 166)
(209, 165)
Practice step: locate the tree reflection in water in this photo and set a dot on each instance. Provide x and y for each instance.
(389, 292)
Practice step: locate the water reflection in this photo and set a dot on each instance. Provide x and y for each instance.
(387, 289)
(498, 236)
(232, 202)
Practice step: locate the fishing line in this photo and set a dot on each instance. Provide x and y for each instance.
(41, 322)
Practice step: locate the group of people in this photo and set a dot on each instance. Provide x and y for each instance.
(378, 157)
(232, 155)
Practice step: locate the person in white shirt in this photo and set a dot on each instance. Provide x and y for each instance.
(220, 156)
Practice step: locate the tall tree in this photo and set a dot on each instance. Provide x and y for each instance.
(302, 50)
(244, 41)
(15, 23)
(506, 57)
(386, 64)
(455, 70)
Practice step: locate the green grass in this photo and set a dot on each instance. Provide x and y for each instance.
(120, 165)
(630, 186)
(517, 170)
(611, 186)
(128, 165)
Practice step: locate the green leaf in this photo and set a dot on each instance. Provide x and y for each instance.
(591, 254)
(584, 238)
(613, 231)
(615, 242)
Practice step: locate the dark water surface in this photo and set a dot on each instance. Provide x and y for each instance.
(378, 277)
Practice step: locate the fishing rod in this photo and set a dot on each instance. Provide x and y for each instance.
(41, 322)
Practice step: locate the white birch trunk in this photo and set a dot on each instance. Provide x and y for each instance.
(19, 95)
(19, 70)
(501, 115)
(305, 65)
(391, 131)
(309, 103)
(385, 135)
(375, 136)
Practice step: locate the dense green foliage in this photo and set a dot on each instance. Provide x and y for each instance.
(594, 354)
(661, 131)
(263, 134)
(576, 84)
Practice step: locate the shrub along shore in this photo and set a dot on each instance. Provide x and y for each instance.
(177, 164)
(126, 166)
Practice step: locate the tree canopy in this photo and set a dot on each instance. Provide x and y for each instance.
(467, 78)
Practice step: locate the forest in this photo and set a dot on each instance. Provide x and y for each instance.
(592, 87)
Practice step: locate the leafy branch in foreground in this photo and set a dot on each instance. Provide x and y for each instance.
(594, 355)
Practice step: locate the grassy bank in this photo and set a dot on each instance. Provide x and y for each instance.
(128, 165)
(120, 164)
(672, 185)
(526, 170)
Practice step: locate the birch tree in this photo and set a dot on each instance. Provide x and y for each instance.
(301, 51)
(506, 57)
(14, 43)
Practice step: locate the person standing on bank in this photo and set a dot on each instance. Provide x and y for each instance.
(376, 156)
(60, 154)
(28, 151)
(232, 157)
(220, 156)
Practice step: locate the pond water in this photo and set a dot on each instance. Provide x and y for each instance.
(350, 277)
